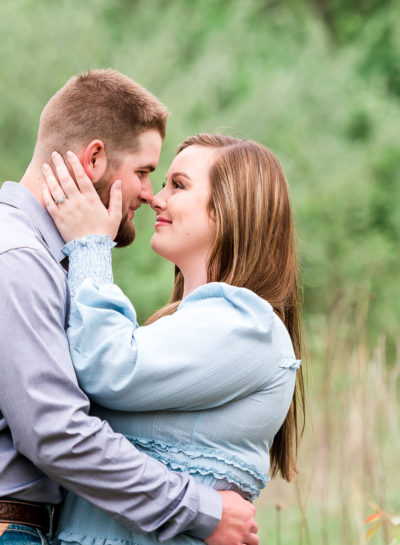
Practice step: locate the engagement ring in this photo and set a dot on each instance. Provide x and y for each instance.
(61, 199)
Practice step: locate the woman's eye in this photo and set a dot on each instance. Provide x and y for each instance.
(174, 184)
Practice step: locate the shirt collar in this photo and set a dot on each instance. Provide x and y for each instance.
(20, 197)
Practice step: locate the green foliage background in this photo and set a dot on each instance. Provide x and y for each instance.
(319, 84)
(317, 81)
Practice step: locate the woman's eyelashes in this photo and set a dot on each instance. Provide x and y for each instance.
(175, 184)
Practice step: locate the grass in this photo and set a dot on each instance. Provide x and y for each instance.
(349, 454)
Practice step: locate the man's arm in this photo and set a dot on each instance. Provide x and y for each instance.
(48, 415)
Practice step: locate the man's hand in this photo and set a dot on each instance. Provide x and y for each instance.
(237, 525)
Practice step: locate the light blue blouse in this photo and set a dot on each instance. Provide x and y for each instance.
(204, 390)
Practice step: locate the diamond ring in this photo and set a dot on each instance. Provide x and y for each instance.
(61, 199)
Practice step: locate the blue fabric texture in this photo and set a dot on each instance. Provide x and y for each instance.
(203, 390)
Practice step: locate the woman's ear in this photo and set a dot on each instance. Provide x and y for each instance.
(211, 213)
(94, 160)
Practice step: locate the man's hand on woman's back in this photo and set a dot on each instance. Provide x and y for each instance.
(237, 525)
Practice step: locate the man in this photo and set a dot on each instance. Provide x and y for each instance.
(46, 435)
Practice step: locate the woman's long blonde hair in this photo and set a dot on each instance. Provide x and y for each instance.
(254, 248)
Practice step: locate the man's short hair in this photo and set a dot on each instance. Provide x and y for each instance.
(103, 104)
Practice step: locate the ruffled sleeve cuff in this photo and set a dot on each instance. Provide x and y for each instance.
(89, 257)
(290, 364)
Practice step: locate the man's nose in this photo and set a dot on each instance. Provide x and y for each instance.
(146, 194)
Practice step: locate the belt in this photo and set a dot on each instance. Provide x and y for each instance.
(37, 515)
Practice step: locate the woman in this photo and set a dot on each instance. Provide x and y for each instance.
(207, 386)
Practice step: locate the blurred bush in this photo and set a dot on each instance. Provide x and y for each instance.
(316, 81)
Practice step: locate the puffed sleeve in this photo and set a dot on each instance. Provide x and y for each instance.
(217, 347)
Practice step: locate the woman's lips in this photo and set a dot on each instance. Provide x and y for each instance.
(160, 221)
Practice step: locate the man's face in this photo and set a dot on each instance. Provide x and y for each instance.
(133, 170)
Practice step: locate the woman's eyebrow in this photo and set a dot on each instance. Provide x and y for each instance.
(180, 174)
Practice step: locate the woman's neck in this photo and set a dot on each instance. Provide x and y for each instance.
(193, 280)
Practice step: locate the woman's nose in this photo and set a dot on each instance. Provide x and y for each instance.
(158, 201)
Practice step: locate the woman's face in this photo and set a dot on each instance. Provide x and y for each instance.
(184, 232)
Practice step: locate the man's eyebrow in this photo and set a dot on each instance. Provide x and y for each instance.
(150, 168)
(180, 174)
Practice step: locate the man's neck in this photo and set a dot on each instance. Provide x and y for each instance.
(33, 180)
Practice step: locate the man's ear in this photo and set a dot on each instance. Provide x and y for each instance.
(94, 160)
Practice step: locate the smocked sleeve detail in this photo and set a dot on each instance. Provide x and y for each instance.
(89, 257)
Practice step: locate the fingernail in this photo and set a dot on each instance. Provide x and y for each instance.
(55, 155)
(118, 184)
(70, 155)
(45, 167)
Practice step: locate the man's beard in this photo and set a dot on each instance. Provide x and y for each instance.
(126, 231)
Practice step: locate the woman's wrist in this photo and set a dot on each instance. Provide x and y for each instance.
(102, 242)
(89, 257)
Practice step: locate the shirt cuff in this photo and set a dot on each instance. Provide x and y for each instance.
(210, 512)
(89, 257)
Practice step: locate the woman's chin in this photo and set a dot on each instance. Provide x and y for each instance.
(156, 247)
(162, 251)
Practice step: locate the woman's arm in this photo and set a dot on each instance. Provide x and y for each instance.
(215, 348)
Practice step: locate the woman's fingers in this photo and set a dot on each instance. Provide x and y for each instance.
(56, 191)
(115, 206)
(83, 181)
(79, 213)
(65, 180)
(49, 203)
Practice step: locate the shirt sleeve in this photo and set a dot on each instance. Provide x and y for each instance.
(47, 413)
(217, 347)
